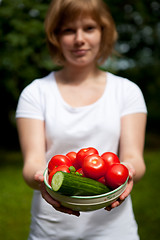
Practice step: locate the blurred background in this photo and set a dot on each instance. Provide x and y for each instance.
(24, 57)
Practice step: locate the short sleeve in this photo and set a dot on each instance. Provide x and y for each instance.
(133, 100)
(30, 104)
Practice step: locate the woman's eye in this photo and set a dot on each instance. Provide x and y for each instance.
(90, 28)
(68, 30)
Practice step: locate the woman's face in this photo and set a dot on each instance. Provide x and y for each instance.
(80, 41)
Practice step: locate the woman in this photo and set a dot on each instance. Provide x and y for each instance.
(76, 107)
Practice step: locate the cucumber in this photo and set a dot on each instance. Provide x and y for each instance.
(73, 185)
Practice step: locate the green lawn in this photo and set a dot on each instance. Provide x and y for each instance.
(145, 196)
(15, 198)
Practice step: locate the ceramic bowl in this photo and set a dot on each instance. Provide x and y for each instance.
(85, 203)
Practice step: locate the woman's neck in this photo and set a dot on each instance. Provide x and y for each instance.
(81, 87)
(78, 75)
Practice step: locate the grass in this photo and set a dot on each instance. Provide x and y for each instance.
(145, 197)
(15, 198)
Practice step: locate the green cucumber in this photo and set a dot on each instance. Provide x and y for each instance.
(73, 185)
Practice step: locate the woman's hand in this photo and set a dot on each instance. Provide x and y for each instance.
(127, 190)
(40, 179)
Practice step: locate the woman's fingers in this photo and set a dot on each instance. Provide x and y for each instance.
(114, 204)
(47, 197)
(55, 203)
(39, 177)
(68, 211)
(127, 190)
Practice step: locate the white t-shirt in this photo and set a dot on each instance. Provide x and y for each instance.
(69, 129)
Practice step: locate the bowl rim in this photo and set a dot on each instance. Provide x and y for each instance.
(85, 197)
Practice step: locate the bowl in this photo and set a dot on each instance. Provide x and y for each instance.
(85, 203)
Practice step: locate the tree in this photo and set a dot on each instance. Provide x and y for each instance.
(24, 55)
(138, 26)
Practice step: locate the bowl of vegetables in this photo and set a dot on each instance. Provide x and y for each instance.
(78, 202)
(76, 185)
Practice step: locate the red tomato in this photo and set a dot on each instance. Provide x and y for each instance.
(58, 160)
(116, 175)
(102, 180)
(84, 152)
(62, 168)
(80, 171)
(110, 158)
(72, 157)
(94, 166)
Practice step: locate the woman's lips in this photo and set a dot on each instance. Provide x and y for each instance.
(80, 52)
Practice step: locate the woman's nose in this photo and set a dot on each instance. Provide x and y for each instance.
(79, 36)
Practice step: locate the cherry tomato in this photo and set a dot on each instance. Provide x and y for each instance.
(84, 152)
(62, 168)
(102, 180)
(116, 175)
(110, 158)
(80, 171)
(94, 166)
(72, 157)
(58, 160)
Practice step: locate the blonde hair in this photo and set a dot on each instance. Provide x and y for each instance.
(62, 11)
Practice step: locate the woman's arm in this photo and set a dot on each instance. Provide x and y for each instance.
(32, 142)
(132, 142)
(131, 150)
